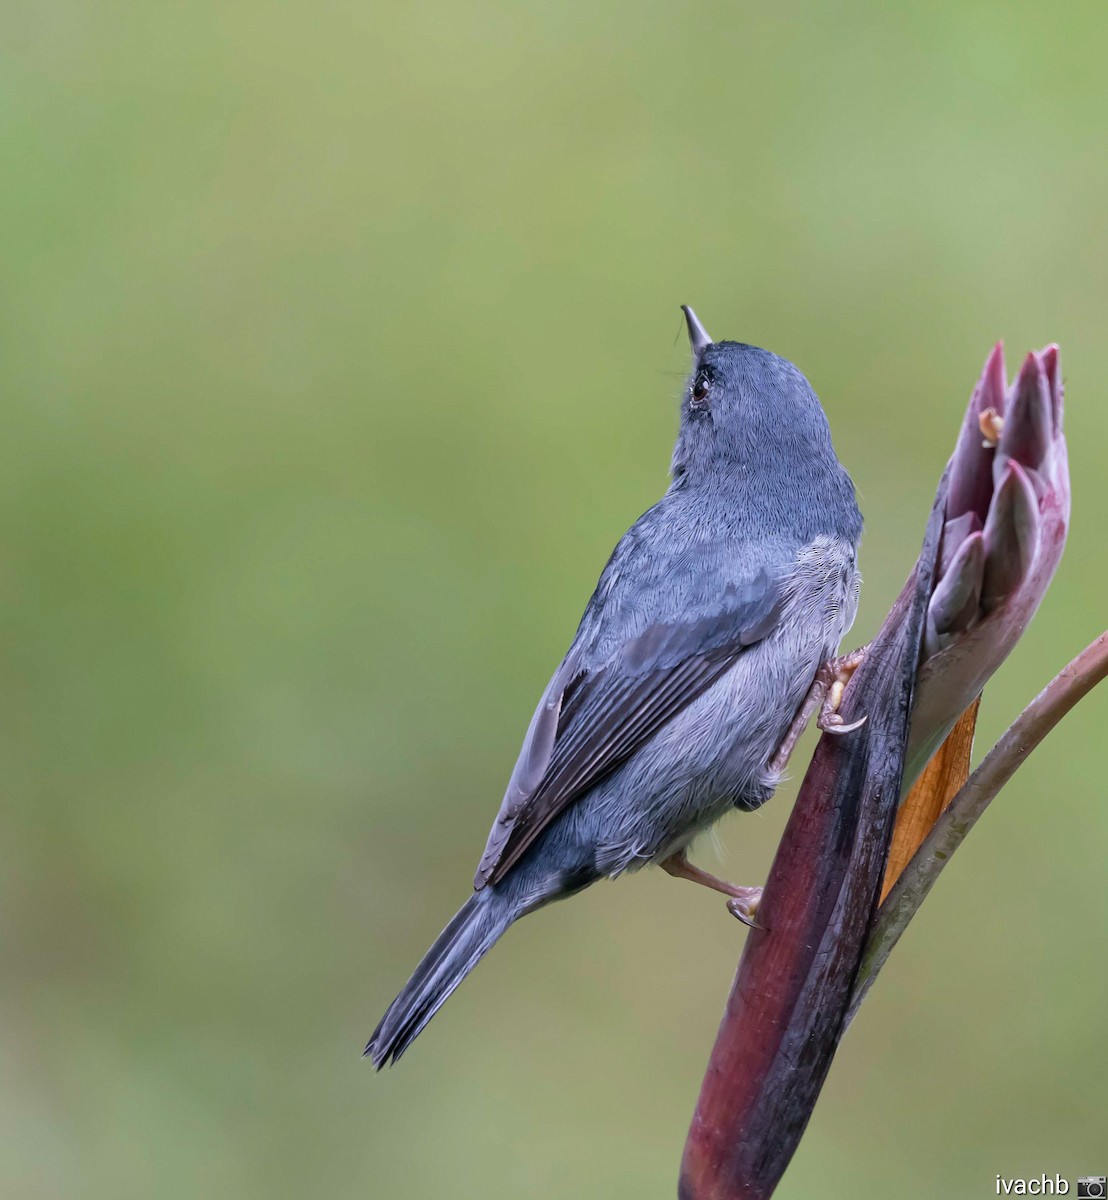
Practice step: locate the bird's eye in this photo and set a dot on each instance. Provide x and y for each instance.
(700, 390)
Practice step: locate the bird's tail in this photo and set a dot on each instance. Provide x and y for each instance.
(458, 949)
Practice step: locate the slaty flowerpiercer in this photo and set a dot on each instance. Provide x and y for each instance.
(696, 663)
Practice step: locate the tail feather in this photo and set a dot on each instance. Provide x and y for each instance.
(457, 950)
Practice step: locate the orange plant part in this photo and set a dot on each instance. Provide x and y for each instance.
(932, 792)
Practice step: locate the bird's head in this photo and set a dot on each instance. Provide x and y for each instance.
(745, 409)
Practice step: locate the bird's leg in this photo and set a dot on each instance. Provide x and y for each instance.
(744, 900)
(825, 694)
(816, 696)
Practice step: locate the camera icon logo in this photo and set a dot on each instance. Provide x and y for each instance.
(1092, 1187)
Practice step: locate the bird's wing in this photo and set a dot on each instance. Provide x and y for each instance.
(591, 719)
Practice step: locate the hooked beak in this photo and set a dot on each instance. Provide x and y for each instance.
(698, 335)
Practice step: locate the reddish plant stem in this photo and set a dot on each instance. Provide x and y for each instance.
(787, 1007)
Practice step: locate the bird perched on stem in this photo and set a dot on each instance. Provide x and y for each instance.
(697, 661)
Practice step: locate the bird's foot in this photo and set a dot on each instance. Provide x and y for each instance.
(837, 674)
(743, 901)
(746, 907)
(825, 694)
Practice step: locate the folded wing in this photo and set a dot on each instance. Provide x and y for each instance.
(591, 719)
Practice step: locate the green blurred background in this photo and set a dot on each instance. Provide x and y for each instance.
(339, 344)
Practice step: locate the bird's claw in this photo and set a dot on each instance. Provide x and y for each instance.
(824, 695)
(746, 906)
(838, 673)
(833, 723)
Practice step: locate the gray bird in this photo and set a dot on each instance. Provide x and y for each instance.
(694, 668)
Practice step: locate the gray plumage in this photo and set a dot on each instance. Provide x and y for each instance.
(697, 648)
